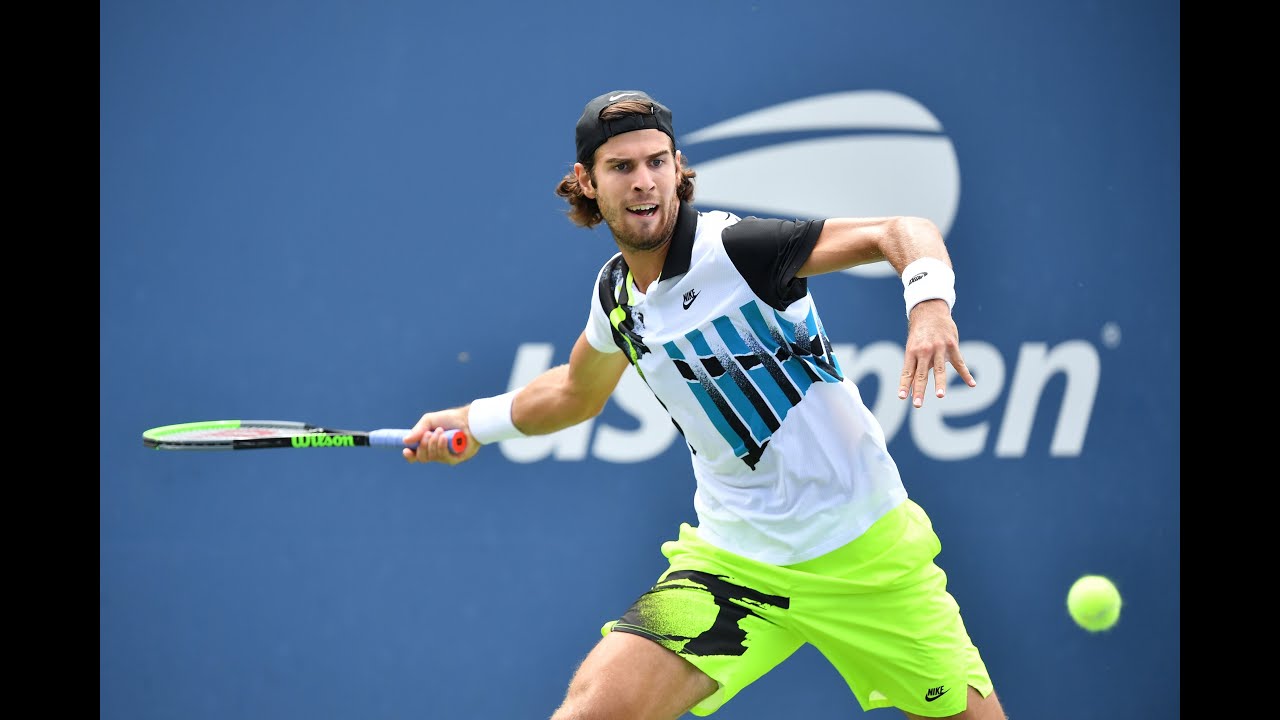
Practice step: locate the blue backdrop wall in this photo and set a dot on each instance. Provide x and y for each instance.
(310, 210)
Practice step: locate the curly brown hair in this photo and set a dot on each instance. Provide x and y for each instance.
(584, 211)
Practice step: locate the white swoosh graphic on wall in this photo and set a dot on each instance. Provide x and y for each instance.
(854, 110)
(869, 174)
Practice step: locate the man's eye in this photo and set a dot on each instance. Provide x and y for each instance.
(656, 162)
(621, 166)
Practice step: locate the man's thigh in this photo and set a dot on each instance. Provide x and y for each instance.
(627, 675)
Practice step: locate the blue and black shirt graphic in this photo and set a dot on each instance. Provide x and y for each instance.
(746, 369)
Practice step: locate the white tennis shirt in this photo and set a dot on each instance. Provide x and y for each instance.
(789, 462)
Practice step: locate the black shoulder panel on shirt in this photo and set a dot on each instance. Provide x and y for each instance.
(614, 292)
(768, 252)
(612, 276)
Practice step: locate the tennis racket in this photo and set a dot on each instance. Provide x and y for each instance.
(261, 434)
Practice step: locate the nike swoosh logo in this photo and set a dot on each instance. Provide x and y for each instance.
(615, 97)
(689, 301)
(930, 697)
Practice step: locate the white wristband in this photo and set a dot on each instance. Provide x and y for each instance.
(928, 279)
(490, 419)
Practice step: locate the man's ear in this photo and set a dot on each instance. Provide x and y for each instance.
(584, 180)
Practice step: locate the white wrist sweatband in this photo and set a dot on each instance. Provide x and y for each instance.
(490, 419)
(928, 279)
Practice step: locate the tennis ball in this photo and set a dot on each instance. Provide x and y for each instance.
(1094, 603)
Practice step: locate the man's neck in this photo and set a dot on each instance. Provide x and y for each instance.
(646, 265)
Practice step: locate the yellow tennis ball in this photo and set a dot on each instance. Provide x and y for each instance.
(1094, 603)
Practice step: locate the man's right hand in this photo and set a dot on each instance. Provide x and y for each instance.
(433, 446)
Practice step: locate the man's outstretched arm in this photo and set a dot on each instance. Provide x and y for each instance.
(562, 396)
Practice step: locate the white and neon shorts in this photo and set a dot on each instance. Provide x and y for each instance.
(877, 608)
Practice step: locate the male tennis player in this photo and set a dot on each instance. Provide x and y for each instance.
(805, 533)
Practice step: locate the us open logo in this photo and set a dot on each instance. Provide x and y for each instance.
(860, 153)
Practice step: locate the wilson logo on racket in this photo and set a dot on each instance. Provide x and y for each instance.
(304, 441)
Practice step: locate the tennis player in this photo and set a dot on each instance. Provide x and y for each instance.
(804, 533)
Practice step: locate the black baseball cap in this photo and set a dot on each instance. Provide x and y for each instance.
(592, 132)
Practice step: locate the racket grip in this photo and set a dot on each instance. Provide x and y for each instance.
(395, 438)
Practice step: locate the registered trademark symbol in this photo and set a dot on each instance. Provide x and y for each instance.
(1111, 335)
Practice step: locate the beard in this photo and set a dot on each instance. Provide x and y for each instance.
(629, 236)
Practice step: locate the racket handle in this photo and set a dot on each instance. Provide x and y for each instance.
(395, 438)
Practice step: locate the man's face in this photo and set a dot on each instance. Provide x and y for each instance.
(635, 183)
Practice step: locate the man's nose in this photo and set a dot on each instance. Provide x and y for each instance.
(644, 179)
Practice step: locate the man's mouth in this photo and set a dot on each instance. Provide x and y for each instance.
(645, 210)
